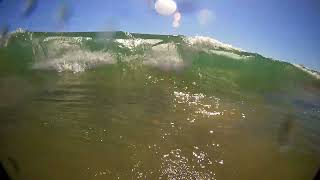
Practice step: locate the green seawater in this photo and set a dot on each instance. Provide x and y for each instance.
(115, 105)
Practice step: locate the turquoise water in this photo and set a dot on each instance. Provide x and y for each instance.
(117, 105)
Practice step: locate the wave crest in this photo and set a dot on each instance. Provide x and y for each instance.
(76, 61)
(202, 42)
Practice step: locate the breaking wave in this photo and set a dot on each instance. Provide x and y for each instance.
(78, 52)
(76, 61)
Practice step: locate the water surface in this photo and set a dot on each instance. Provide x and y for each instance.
(109, 109)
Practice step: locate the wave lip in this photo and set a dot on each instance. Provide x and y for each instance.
(313, 73)
(79, 51)
(76, 61)
(134, 43)
(164, 56)
(207, 41)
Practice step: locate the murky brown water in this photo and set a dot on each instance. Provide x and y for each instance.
(111, 125)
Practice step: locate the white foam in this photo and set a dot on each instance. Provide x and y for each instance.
(70, 39)
(76, 61)
(19, 30)
(133, 43)
(229, 54)
(207, 41)
(307, 70)
(57, 45)
(164, 56)
(67, 54)
(128, 34)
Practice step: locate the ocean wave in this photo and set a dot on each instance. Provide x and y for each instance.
(78, 52)
(68, 55)
(229, 54)
(76, 61)
(202, 41)
(70, 39)
(134, 43)
(307, 70)
(19, 30)
(164, 56)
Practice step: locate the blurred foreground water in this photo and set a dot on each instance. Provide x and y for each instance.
(128, 106)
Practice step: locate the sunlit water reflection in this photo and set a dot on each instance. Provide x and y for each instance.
(149, 126)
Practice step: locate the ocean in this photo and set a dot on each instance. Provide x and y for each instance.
(117, 105)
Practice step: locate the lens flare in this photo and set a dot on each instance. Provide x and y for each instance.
(176, 19)
(205, 16)
(165, 7)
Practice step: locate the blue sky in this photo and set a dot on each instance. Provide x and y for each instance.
(283, 29)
